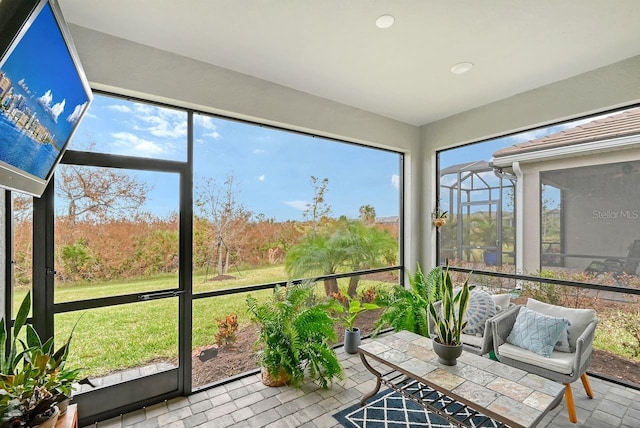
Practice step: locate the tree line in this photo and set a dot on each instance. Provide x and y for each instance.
(102, 233)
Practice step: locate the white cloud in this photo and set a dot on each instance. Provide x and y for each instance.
(57, 110)
(258, 152)
(46, 99)
(395, 181)
(261, 178)
(136, 145)
(161, 122)
(73, 117)
(206, 122)
(119, 107)
(299, 205)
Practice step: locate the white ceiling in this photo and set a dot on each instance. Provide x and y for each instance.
(332, 48)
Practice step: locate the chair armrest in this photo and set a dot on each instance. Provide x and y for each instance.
(584, 345)
(501, 326)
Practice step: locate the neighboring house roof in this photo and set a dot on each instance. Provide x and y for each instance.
(616, 126)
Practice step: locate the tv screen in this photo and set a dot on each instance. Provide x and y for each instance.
(43, 95)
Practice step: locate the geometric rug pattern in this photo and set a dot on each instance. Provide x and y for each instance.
(390, 409)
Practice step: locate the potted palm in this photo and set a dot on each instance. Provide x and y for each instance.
(295, 335)
(352, 333)
(449, 320)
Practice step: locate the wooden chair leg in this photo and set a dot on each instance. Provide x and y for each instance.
(587, 385)
(571, 407)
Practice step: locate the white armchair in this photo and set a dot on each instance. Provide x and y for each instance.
(559, 366)
(476, 343)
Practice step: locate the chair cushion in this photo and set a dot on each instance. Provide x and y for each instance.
(561, 362)
(502, 301)
(536, 332)
(562, 345)
(579, 319)
(475, 341)
(481, 308)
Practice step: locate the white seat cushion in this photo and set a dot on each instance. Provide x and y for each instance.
(561, 362)
(579, 319)
(501, 301)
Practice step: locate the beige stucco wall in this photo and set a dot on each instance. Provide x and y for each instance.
(583, 230)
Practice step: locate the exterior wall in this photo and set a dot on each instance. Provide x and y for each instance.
(583, 231)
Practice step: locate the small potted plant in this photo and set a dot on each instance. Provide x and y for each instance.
(449, 320)
(295, 335)
(34, 380)
(439, 218)
(352, 333)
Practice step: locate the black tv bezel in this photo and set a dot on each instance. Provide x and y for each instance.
(19, 16)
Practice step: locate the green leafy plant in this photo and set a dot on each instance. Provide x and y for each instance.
(449, 322)
(296, 336)
(35, 378)
(354, 308)
(406, 309)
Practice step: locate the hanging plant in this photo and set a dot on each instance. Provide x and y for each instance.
(439, 218)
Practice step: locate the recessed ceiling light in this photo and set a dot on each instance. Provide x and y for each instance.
(385, 21)
(461, 67)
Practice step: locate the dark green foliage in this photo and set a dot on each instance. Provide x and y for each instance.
(296, 335)
(33, 379)
(406, 309)
(450, 322)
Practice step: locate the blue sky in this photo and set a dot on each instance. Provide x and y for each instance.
(41, 65)
(272, 168)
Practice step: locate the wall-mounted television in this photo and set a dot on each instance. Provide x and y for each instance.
(44, 93)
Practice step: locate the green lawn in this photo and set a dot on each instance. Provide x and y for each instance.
(115, 338)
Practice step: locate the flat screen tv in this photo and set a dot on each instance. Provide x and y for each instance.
(43, 93)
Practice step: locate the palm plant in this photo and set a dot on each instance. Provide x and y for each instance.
(345, 244)
(406, 309)
(296, 335)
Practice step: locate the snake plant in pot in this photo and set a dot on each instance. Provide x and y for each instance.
(449, 320)
(295, 336)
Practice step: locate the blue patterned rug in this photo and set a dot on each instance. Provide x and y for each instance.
(389, 409)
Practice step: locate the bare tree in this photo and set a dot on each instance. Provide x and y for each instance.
(98, 193)
(226, 215)
(318, 208)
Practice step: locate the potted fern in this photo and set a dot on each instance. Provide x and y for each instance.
(407, 308)
(449, 320)
(295, 336)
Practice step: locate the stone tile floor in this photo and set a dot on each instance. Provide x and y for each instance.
(248, 403)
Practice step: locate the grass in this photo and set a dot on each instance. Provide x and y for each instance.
(120, 337)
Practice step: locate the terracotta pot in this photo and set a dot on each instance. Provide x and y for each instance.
(439, 222)
(268, 380)
(447, 354)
